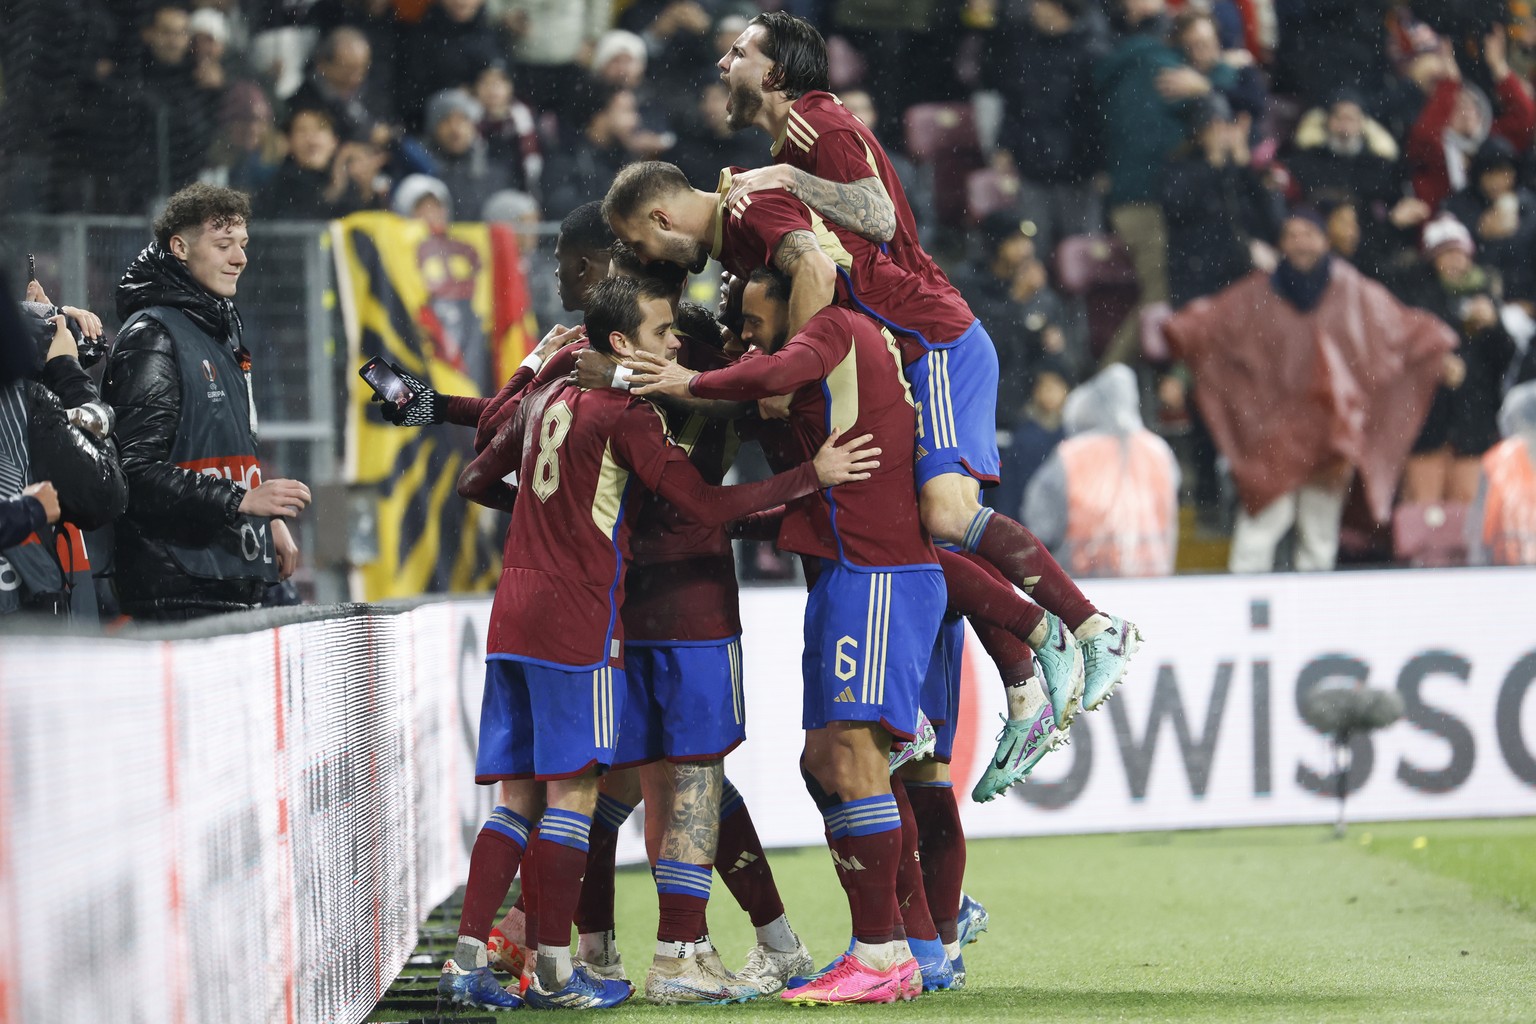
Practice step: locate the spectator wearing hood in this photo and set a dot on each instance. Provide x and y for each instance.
(461, 159)
(1050, 133)
(1501, 216)
(1106, 502)
(1339, 154)
(1288, 376)
(1458, 119)
(1461, 424)
(1222, 219)
(204, 532)
(1502, 527)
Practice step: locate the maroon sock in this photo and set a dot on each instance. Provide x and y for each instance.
(493, 863)
(741, 863)
(978, 591)
(1020, 556)
(594, 910)
(867, 866)
(559, 887)
(941, 847)
(681, 918)
(911, 895)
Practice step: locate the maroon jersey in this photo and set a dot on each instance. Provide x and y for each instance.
(682, 576)
(582, 460)
(844, 370)
(747, 236)
(824, 139)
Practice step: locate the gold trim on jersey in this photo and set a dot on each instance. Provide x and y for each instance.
(688, 438)
(799, 131)
(718, 243)
(603, 725)
(895, 351)
(608, 496)
(843, 391)
(829, 242)
(877, 629)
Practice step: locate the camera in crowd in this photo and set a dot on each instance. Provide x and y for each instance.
(38, 316)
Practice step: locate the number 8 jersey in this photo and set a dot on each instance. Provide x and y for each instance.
(586, 459)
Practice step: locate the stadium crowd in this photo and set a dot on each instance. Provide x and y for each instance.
(1327, 283)
(1083, 167)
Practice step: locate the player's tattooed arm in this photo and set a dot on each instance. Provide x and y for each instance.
(693, 830)
(860, 206)
(812, 275)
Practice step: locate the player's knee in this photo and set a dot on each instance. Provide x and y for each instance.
(948, 505)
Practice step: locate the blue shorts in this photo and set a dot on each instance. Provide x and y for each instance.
(941, 686)
(955, 390)
(683, 702)
(542, 722)
(868, 640)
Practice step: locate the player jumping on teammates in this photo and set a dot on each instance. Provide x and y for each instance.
(776, 72)
(653, 208)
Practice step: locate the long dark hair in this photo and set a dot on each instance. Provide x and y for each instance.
(798, 50)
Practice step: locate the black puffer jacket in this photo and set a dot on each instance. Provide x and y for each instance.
(165, 502)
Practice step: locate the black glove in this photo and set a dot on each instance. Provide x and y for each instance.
(425, 409)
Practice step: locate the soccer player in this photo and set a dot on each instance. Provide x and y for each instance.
(653, 209)
(776, 71)
(873, 612)
(554, 680)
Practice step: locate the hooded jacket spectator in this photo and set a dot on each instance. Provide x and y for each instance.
(1503, 523)
(1501, 216)
(1107, 500)
(168, 506)
(461, 158)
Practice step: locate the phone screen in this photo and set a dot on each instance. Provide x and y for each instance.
(386, 382)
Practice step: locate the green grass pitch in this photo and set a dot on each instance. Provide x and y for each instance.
(1421, 921)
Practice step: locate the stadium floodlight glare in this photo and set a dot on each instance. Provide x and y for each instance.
(1341, 709)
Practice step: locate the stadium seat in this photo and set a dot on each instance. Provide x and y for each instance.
(941, 139)
(1098, 270)
(1430, 534)
(988, 191)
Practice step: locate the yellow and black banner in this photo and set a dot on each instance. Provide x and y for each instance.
(452, 309)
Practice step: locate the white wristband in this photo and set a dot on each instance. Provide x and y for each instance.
(533, 361)
(621, 375)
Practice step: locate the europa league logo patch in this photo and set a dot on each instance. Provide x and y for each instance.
(208, 373)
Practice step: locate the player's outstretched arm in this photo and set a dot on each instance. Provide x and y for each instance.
(782, 373)
(676, 479)
(862, 206)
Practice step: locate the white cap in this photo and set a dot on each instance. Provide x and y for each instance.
(413, 188)
(206, 21)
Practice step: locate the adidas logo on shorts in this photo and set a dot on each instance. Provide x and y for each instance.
(846, 697)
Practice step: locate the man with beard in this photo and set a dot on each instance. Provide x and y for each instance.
(873, 613)
(826, 157)
(654, 209)
(555, 687)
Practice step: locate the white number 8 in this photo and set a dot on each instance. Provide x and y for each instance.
(546, 471)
